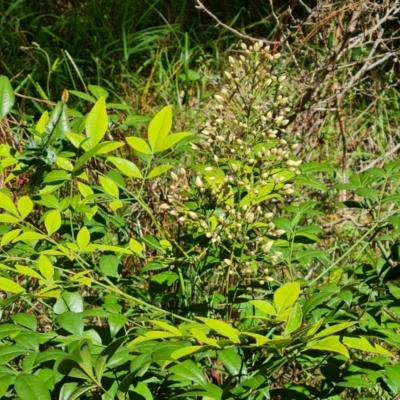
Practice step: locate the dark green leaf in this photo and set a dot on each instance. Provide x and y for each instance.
(31, 387)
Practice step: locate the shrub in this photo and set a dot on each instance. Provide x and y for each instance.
(112, 291)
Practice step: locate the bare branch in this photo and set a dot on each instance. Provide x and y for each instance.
(201, 7)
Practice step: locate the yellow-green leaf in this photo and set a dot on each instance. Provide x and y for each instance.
(184, 352)
(170, 141)
(294, 320)
(109, 146)
(46, 267)
(8, 285)
(64, 163)
(75, 139)
(201, 337)
(7, 204)
(30, 235)
(286, 296)
(44, 119)
(136, 247)
(139, 144)
(263, 306)
(83, 238)
(117, 249)
(222, 328)
(115, 205)
(361, 343)
(96, 123)
(331, 343)
(334, 328)
(126, 167)
(9, 236)
(161, 169)
(52, 221)
(8, 219)
(260, 339)
(109, 186)
(28, 271)
(84, 189)
(160, 126)
(25, 206)
(167, 327)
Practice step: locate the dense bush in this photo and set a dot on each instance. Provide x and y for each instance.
(148, 264)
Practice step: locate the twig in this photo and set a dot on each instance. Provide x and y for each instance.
(35, 99)
(380, 159)
(201, 7)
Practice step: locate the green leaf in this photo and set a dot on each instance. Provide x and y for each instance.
(28, 271)
(222, 328)
(109, 186)
(260, 340)
(75, 139)
(8, 219)
(361, 343)
(286, 296)
(9, 236)
(52, 222)
(31, 387)
(8, 285)
(7, 204)
(105, 355)
(393, 374)
(109, 265)
(294, 320)
(57, 175)
(48, 200)
(201, 337)
(8, 353)
(184, 352)
(46, 267)
(139, 144)
(92, 152)
(98, 91)
(167, 327)
(169, 141)
(161, 169)
(5, 383)
(334, 329)
(106, 147)
(26, 320)
(136, 247)
(30, 235)
(189, 370)
(368, 193)
(116, 323)
(25, 206)
(71, 322)
(126, 167)
(263, 306)
(331, 343)
(82, 95)
(7, 97)
(233, 363)
(96, 123)
(73, 300)
(160, 126)
(83, 238)
(77, 393)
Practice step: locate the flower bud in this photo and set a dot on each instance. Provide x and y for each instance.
(193, 215)
(198, 182)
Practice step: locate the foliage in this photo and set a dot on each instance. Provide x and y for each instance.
(189, 266)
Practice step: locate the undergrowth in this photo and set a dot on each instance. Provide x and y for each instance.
(251, 255)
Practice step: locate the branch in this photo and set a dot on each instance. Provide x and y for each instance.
(201, 7)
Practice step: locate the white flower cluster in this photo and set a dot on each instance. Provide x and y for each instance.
(250, 164)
